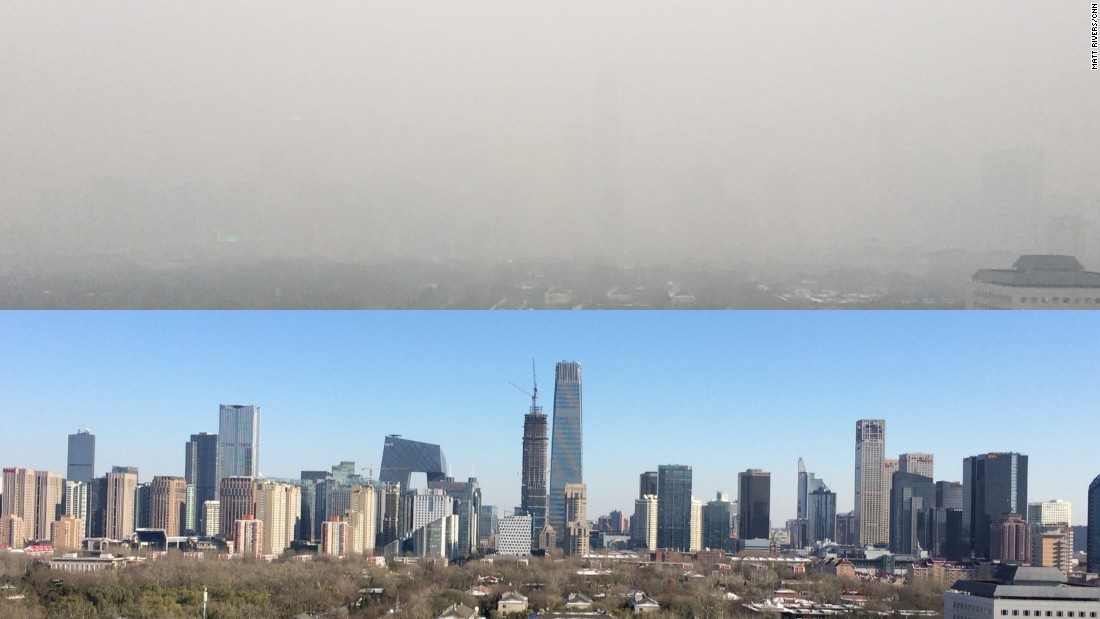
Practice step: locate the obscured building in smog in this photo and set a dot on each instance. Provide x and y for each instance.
(1036, 282)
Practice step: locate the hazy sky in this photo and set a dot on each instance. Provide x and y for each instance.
(709, 128)
(719, 391)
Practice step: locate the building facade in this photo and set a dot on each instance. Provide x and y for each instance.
(1036, 282)
(577, 530)
(674, 507)
(514, 535)
(566, 456)
(643, 525)
(238, 441)
(121, 503)
(81, 461)
(754, 504)
(168, 504)
(533, 477)
(916, 463)
(994, 485)
(1092, 533)
(200, 469)
(872, 507)
(236, 499)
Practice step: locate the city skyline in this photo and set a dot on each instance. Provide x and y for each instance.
(332, 385)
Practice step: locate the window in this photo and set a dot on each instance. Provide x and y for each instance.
(1015, 612)
(1004, 612)
(1027, 613)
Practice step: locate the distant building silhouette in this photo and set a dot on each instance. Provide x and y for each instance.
(754, 504)
(238, 442)
(1092, 532)
(402, 457)
(1036, 282)
(81, 465)
(674, 507)
(994, 484)
(201, 471)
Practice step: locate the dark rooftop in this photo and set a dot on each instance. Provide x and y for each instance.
(1041, 271)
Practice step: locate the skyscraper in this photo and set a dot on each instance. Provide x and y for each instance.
(120, 504)
(402, 457)
(238, 442)
(200, 470)
(576, 520)
(167, 502)
(994, 485)
(872, 509)
(533, 479)
(565, 454)
(643, 526)
(910, 495)
(81, 456)
(647, 484)
(808, 483)
(821, 515)
(674, 507)
(236, 499)
(916, 463)
(717, 523)
(754, 504)
(1092, 534)
(48, 501)
(19, 499)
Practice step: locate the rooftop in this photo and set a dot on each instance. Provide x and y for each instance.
(1041, 271)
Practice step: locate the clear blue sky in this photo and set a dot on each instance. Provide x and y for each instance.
(720, 391)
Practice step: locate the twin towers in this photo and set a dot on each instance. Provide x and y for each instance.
(548, 508)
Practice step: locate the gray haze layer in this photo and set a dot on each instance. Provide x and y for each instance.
(152, 153)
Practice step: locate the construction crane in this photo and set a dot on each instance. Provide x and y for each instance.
(535, 408)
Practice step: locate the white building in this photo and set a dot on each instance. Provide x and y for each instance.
(695, 526)
(1049, 512)
(872, 505)
(1021, 592)
(514, 535)
(643, 525)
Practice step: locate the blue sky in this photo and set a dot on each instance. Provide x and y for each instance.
(719, 391)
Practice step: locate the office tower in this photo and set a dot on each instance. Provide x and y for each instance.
(120, 509)
(248, 535)
(647, 484)
(201, 471)
(168, 504)
(821, 515)
(423, 506)
(81, 456)
(487, 525)
(75, 499)
(674, 507)
(566, 449)
(390, 517)
(467, 506)
(949, 494)
(618, 523)
(142, 515)
(309, 527)
(717, 523)
(947, 538)
(994, 484)
(1049, 512)
(533, 498)
(238, 442)
(872, 507)
(514, 536)
(807, 483)
(891, 466)
(576, 520)
(910, 495)
(695, 526)
(1092, 532)
(643, 525)
(191, 513)
(402, 457)
(1010, 540)
(96, 524)
(48, 501)
(66, 533)
(754, 504)
(211, 518)
(916, 463)
(847, 533)
(19, 499)
(236, 499)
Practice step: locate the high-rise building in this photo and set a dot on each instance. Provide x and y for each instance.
(1049, 512)
(362, 518)
(717, 523)
(674, 507)
(201, 471)
(949, 494)
(872, 507)
(402, 457)
(487, 525)
(238, 442)
(994, 485)
(916, 463)
(566, 462)
(278, 506)
(168, 504)
(19, 499)
(96, 524)
(533, 498)
(807, 484)
(643, 525)
(514, 536)
(120, 509)
(577, 530)
(647, 484)
(695, 526)
(1092, 533)
(467, 506)
(48, 501)
(821, 515)
(81, 456)
(12, 532)
(910, 495)
(891, 466)
(754, 504)
(1010, 540)
(66, 532)
(75, 499)
(236, 499)
(248, 536)
(211, 517)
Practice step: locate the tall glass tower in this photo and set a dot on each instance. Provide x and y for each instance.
(238, 441)
(1092, 542)
(994, 484)
(565, 454)
(81, 456)
(674, 507)
(872, 505)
